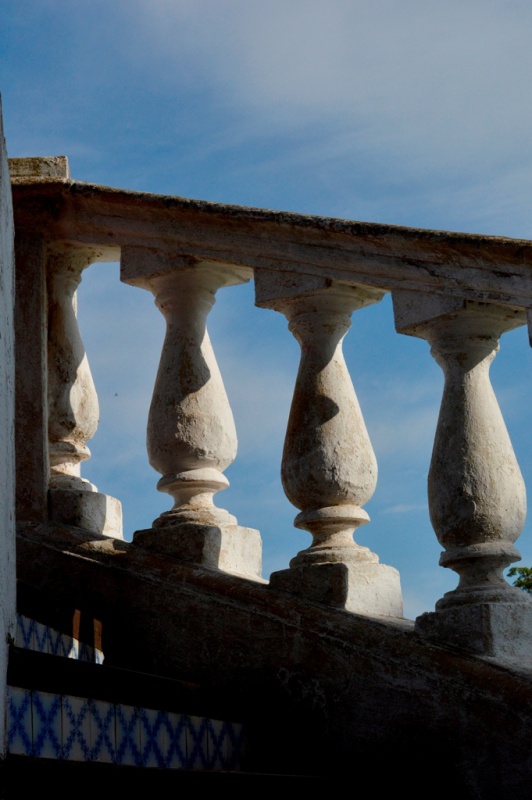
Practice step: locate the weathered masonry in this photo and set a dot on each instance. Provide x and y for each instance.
(207, 668)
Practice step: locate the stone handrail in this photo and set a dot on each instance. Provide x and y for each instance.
(458, 291)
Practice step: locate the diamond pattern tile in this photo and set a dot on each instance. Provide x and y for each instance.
(235, 745)
(128, 736)
(216, 744)
(76, 729)
(86, 652)
(32, 635)
(19, 724)
(79, 729)
(59, 644)
(41, 638)
(25, 632)
(47, 725)
(197, 753)
(154, 742)
(103, 731)
(176, 737)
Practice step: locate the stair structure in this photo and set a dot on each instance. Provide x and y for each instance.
(169, 658)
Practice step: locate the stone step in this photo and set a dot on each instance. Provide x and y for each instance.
(19, 772)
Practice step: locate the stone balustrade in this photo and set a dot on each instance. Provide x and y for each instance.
(459, 292)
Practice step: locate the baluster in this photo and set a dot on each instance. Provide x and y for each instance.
(72, 405)
(191, 433)
(329, 469)
(477, 497)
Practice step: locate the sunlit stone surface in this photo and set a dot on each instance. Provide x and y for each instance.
(329, 469)
(477, 496)
(191, 431)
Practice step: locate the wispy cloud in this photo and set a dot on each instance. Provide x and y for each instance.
(434, 86)
(404, 508)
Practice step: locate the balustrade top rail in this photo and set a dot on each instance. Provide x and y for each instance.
(482, 268)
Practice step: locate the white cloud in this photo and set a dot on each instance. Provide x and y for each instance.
(407, 112)
(441, 83)
(404, 508)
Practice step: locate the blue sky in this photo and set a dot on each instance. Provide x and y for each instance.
(412, 113)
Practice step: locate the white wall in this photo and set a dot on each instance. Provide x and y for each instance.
(7, 450)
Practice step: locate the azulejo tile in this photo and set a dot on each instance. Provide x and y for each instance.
(86, 652)
(25, 632)
(32, 635)
(103, 731)
(59, 644)
(175, 726)
(47, 725)
(216, 744)
(74, 650)
(128, 736)
(41, 639)
(76, 729)
(153, 738)
(235, 742)
(19, 721)
(197, 754)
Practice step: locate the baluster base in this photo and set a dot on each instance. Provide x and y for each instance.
(92, 511)
(362, 587)
(228, 548)
(496, 630)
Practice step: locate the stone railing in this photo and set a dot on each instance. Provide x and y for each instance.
(459, 292)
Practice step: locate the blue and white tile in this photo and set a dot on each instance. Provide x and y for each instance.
(25, 632)
(32, 635)
(47, 725)
(176, 740)
(103, 731)
(59, 644)
(41, 638)
(127, 736)
(74, 649)
(197, 752)
(76, 729)
(216, 744)
(236, 744)
(153, 738)
(19, 721)
(85, 652)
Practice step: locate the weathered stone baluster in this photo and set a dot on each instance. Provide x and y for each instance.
(329, 469)
(477, 496)
(72, 404)
(191, 432)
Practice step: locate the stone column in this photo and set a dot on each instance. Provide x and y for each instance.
(329, 469)
(191, 432)
(72, 404)
(476, 492)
